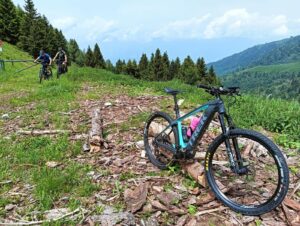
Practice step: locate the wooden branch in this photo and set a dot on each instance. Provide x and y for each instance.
(211, 211)
(149, 178)
(140, 108)
(42, 132)
(43, 221)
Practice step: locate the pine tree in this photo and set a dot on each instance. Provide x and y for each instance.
(158, 67)
(20, 12)
(201, 70)
(109, 66)
(165, 67)
(119, 67)
(174, 69)
(211, 77)
(89, 58)
(135, 70)
(61, 40)
(188, 71)
(131, 68)
(143, 67)
(9, 22)
(73, 50)
(98, 58)
(53, 40)
(38, 36)
(26, 26)
(124, 67)
(151, 74)
(80, 59)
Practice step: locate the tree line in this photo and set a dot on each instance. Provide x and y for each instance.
(31, 32)
(160, 68)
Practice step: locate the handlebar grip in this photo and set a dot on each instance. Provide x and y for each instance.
(203, 86)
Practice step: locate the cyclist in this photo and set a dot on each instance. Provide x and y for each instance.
(45, 59)
(61, 60)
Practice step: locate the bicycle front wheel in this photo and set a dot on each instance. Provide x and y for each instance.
(262, 183)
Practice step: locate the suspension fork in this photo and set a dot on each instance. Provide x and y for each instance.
(236, 165)
(227, 142)
(234, 142)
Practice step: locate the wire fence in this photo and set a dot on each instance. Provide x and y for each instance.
(2, 63)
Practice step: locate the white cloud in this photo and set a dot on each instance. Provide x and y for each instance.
(232, 23)
(241, 23)
(64, 22)
(96, 27)
(190, 28)
(229, 24)
(282, 30)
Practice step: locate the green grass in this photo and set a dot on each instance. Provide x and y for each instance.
(276, 68)
(33, 105)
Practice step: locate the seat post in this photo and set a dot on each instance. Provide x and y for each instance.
(176, 107)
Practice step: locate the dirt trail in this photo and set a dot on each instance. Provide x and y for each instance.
(169, 198)
(134, 192)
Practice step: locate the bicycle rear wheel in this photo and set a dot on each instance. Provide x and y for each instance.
(265, 180)
(154, 133)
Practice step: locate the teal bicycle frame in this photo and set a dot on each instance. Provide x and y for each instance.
(209, 109)
(178, 123)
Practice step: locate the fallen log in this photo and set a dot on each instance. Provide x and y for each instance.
(42, 132)
(95, 138)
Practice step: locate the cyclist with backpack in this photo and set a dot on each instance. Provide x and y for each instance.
(62, 59)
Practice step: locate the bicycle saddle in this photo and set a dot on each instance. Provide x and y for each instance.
(172, 91)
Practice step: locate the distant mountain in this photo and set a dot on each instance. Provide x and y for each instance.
(278, 52)
(279, 80)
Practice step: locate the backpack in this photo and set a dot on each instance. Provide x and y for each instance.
(61, 56)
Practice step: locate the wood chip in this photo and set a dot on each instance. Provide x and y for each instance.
(292, 204)
(136, 198)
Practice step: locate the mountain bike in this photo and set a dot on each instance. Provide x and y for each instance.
(61, 69)
(45, 72)
(245, 170)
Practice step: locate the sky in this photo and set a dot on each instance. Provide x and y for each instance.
(212, 29)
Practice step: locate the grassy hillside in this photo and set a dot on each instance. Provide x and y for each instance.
(279, 81)
(63, 104)
(22, 88)
(277, 68)
(278, 52)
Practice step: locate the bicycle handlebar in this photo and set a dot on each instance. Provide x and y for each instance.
(217, 91)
